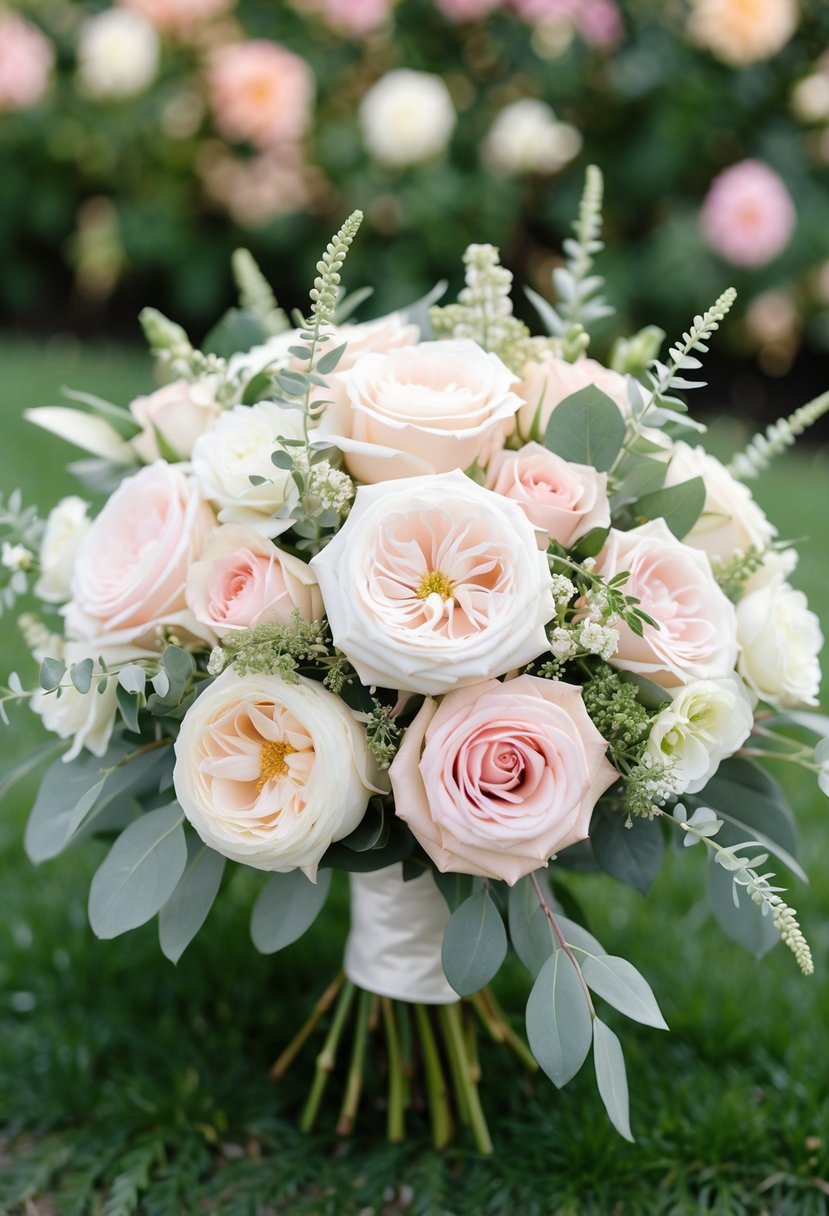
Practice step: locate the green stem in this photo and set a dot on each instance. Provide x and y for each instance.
(327, 1057)
(299, 1040)
(396, 1123)
(437, 1091)
(468, 1097)
(497, 1023)
(404, 1030)
(354, 1083)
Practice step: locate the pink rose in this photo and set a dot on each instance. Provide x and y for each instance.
(499, 777)
(562, 501)
(179, 17)
(26, 58)
(242, 579)
(422, 409)
(748, 215)
(177, 413)
(131, 567)
(697, 634)
(260, 93)
(547, 382)
(356, 17)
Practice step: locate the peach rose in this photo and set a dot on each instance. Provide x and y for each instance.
(499, 777)
(177, 413)
(548, 381)
(433, 583)
(421, 409)
(261, 93)
(270, 773)
(26, 60)
(131, 567)
(697, 634)
(562, 501)
(242, 579)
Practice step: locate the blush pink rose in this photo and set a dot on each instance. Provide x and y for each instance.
(499, 777)
(421, 409)
(261, 93)
(177, 413)
(178, 16)
(697, 634)
(356, 17)
(131, 568)
(748, 215)
(548, 381)
(26, 59)
(242, 579)
(562, 501)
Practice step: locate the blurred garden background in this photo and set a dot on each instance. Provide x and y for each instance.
(140, 144)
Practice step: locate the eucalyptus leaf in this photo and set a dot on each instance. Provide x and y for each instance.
(611, 1077)
(52, 672)
(577, 937)
(29, 764)
(745, 923)
(679, 505)
(128, 703)
(186, 910)
(558, 1019)
(455, 888)
(236, 332)
(530, 931)
(139, 874)
(81, 675)
(474, 944)
(618, 982)
(327, 363)
(586, 428)
(633, 855)
(287, 905)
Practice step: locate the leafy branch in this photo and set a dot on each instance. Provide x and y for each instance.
(778, 436)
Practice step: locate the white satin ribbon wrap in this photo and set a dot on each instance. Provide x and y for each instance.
(394, 945)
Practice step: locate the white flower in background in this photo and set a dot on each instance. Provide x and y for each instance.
(66, 526)
(270, 773)
(16, 557)
(705, 722)
(407, 117)
(526, 137)
(85, 718)
(780, 639)
(810, 98)
(239, 447)
(118, 54)
(730, 519)
(743, 31)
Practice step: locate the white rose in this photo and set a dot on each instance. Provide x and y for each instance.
(66, 526)
(730, 518)
(421, 409)
(434, 583)
(239, 446)
(86, 718)
(407, 117)
(780, 640)
(118, 54)
(175, 414)
(270, 773)
(706, 721)
(526, 137)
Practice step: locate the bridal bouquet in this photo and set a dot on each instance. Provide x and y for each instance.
(438, 603)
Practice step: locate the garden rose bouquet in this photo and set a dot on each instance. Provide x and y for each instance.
(443, 605)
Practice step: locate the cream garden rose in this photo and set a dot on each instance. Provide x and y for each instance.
(500, 776)
(780, 638)
(407, 117)
(422, 409)
(562, 501)
(176, 415)
(66, 526)
(435, 583)
(269, 773)
(706, 721)
(242, 579)
(239, 446)
(118, 54)
(696, 638)
(131, 567)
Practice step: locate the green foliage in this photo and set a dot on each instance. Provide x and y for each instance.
(586, 428)
(483, 312)
(186, 910)
(474, 944)
(558, 1019)
(618, 714)
(632, 851)
(765, 446)
(679, 505)
(256, 294)
(287, 906)
(611, 1077)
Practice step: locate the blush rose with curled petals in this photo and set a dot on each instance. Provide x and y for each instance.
(498, 777)
(563, 501)
(435, 582)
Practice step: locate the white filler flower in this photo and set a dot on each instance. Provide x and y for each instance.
(407, 118)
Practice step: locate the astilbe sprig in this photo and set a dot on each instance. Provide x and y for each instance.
(763, 448)
(256, 294)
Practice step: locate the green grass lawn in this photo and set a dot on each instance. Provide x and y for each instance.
(131, 1086)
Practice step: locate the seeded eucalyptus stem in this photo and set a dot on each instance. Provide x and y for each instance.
(327, 1057)
(299, 1040)
(397, 1086)
(469, 1102)
(437, 1091)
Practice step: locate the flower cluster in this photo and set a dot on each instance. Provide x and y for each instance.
(355, 570)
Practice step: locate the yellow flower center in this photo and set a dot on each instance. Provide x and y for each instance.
(272, 762)
(435, 583)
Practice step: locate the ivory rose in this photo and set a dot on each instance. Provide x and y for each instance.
(270, 773)
(546, 383)
(407, 118)
(705, 722)
(421, 409)
(562, 501)
(498, 777)
(131, 567)
(780, 638)
(743, 31)
(730, 518)
(435, 583)
(118, 54)
(67, 525)
(175, 414)
(239, 446)
(242, 579)
(696, 638)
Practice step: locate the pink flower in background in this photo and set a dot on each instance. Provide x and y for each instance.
(26, 58)
(467, 10)
(598, 21)
(356, 17)
(178, 16)
(260, 92)
(255, 190)
(748, 215)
